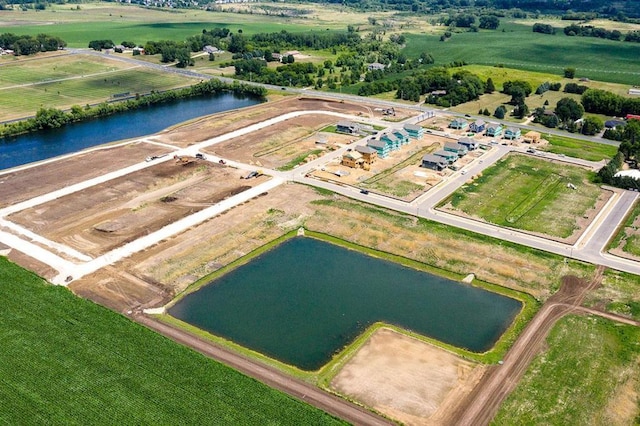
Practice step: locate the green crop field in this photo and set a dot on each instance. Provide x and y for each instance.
(519, 47)
(589, 376)
(571, 147)
(529, 193)
(97, 21)
(65, 360)
(43, 69)
(25, 101)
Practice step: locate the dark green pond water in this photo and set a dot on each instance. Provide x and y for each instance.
(306, 299)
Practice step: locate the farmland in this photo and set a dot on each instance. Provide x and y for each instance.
(531, 194)
(64, 81)
(69, 361)
(589, 375)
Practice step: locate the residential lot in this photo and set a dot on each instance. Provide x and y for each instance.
(540, 196)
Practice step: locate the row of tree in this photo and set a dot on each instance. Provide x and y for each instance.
(49, 118)
(29, 45)
(603, 102)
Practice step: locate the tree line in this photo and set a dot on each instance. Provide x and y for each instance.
(51, 118)
(29, 45)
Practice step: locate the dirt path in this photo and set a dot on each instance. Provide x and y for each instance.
(269, 376)
(483, 403)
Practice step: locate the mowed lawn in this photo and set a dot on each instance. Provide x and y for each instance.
(588, 376)
(25, 101)
(65, 360)
(529, 193)
(571, 147)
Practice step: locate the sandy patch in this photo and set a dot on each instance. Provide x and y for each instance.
(406, 379)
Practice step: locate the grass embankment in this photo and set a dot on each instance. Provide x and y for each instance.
(577, 148)
(589, 375)
(528, 193)
(628, 236)
(65, 360)
(491, 260)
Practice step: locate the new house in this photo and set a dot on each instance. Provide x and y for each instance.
(477, 126)
(471, 144)
(458, 124)
(381, 147)
(532, 137)
(369, 154)
(494, 129)
(348, 127)
(414, 131)
(512, 133)
(448, 156)
(456, 148)
(434, 162)
(352, 159)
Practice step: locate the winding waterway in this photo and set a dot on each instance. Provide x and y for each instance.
(306, 299)
(131, 124)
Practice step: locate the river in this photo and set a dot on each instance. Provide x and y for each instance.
(131, 124)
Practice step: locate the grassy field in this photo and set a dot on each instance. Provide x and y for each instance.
(519, 47)
(589, 375)
(65, 360)
(619, 294)
(571, 147)
(628, 238)
(77, 89)
(121, 22)
(529, 193)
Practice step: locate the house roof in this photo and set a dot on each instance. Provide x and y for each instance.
(512, 129)
(454, 145)
(375, 143)
(346, 124)
(413, 127)
(365, 149)
(480, 122)
(443, 153)
(401, 132)
(493, 125)
(354, 155)
(390, 136)
(459, 121)
(613, 123)
(467, 140)
(532, 134)
(432, 158)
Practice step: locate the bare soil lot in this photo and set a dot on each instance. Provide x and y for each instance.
(101, 218)
(277, 145)
(24, 184)
(406, 379)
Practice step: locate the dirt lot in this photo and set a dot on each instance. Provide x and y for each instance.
(406, 379)
(16, 186)
(277, 145)
(219, 124)
(101, 218)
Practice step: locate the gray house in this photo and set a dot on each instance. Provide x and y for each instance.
(434, 162)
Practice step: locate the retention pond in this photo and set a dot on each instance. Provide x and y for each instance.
(306, 299)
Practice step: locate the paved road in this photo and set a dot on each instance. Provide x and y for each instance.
(276, 379)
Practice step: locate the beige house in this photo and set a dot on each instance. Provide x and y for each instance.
(532, 137)
(369, 154)
(352, 159)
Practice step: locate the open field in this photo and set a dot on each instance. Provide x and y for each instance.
(101, 218)
(69, 361)
(596, 59)
(578, 148)
(78, 88)
(404, 378)
(120, 22)
(619, 294)
(589, 375)
(525, 192)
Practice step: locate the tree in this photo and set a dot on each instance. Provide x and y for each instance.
(592, 125)
(486, 112)
(568, 111)
(521, 110)
(489, 22)
(500, 112)
(489, 87)
(569, 72)
(183, 56)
